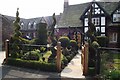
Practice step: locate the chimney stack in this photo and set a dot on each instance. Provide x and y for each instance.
(66, 4)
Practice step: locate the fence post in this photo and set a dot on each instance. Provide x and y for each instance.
(98, 62)
(58, 62)
(7, 50)
(86, 50)
(82, 56)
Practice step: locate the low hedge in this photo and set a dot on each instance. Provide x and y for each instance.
(32, 64)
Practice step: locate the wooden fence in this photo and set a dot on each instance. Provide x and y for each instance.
(84, 58)
(58, 60)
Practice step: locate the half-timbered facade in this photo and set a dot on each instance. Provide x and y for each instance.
(105, 17)
(98, 18)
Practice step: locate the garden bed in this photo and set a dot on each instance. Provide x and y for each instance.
(110, 65)
(43, 66)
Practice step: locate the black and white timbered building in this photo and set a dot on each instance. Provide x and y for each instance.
(105, 17)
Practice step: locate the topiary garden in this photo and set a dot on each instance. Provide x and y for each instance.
(35, 53)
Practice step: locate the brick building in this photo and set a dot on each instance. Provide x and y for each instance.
(105, 17)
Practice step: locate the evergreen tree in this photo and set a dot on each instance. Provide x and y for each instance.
(16, 38)
(17, 32)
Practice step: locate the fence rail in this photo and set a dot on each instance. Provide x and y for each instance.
(105, 48)
(58, 50)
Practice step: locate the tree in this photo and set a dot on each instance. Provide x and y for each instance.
(91, 29)
(51, 34)
(42, 34)
(53, 25)
(16, 38)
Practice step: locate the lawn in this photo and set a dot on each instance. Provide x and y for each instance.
(110, 64)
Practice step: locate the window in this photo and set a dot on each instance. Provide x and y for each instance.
(95, 21)
(102, 20)
(34, 25)
(30, 26)
(116, 16)
(113, 37)
(86, 22)
(103, 29)
(22, 25)
(97, 28)
(86, 29)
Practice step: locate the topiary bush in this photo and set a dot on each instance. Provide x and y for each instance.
(41, 34)
(73, 44)
(65, 41)
(103, 41)
(95, 44)
(31, 55)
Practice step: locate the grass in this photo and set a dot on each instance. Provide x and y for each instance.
(110, 58)
(116, 59)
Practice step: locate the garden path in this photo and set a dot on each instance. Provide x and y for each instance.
(74, 68)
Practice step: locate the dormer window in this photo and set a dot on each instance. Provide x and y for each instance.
(30, 26)
(34, 25)
(116, 16)
(22, 25)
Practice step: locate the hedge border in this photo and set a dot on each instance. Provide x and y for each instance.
(37, 65)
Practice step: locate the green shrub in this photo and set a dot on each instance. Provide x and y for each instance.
(115, 74)
(73, 44)
(42, 34)
(24, 41)
(14, 55)
(42, 49)
(64, 41)
(32, 55)
(95, 44)
(91, 71)
(64, 60)
(32, 64)
(102, 40)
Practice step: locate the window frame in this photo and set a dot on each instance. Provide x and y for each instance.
(113, 37)
(116, 15)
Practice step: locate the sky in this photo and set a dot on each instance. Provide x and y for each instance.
(34, 8)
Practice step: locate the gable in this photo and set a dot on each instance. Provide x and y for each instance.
(43, 20)
(96, 10)
(116, 15)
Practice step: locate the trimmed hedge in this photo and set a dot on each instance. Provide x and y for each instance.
(32, 64)
(65, 41)
(102, 41)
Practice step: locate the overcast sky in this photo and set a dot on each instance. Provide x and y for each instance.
(34, 8)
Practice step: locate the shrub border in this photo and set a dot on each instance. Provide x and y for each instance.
(51, 67)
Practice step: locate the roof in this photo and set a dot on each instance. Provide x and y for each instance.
(72, 14)
(37, 20)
